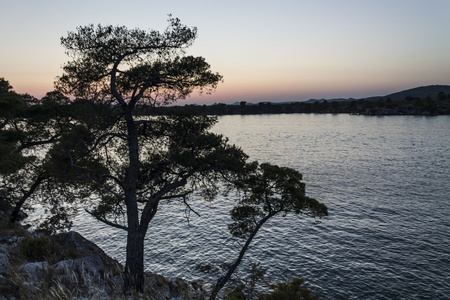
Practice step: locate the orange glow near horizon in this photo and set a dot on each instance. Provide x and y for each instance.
(254, 91)
(282, 51)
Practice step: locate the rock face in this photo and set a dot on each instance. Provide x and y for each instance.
(4, 259)
(80, 270)
(32, 274)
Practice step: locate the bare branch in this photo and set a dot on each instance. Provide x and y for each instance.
(168, 197)
(37, 143)
(189, 209)
(109, 134)
(152, 204)
(107, 222)
(151, 122)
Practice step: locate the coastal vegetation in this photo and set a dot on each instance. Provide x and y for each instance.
(109, 139)
(265, 190)
(86, 144)
(437, 102)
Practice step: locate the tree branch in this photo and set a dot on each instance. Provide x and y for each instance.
(115, 179)
(189, 209)
(223, 280)
(152, 204)
(169, 197)
(114, 91)
(121, 136)
(104, 220)
(25, 196)
(37, 143)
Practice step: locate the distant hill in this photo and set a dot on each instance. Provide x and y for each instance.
(408, 102)
(330, 100)
(419, 92)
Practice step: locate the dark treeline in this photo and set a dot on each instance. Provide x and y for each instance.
(439, 105)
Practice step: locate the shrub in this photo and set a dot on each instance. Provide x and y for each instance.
(236, 294)
(293, 290)
(35, 249)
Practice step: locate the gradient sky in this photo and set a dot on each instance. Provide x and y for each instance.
(281, 50)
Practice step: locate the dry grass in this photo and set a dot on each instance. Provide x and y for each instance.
(7, 229)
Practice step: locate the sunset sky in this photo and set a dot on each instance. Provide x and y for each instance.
(266, 50)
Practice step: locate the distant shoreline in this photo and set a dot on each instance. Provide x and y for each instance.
(430, 100)
(385, 107)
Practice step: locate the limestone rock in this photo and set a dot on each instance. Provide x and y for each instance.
(4, 261)
(177, 289)
(81, 270)
(33, 274)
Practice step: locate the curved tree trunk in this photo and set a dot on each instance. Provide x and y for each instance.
(223, 280)
(15, 213)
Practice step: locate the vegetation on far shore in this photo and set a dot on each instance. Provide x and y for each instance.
(438, 104)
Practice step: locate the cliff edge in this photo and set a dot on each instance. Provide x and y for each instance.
(68, 266)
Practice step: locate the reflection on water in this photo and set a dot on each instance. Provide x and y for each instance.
(385, 181)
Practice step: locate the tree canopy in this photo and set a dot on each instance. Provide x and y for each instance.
(86, 141)
(131, 65)
(132, 163)
(11, 107)
(29, 128)
(267, 190)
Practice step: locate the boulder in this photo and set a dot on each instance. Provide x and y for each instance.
(163, 288)
(33, 274)
(91, 265)
(4, 258)
(4, 263)
(71, 245)
(81, 270)
(8, 288)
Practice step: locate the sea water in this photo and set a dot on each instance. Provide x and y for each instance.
(385, 180)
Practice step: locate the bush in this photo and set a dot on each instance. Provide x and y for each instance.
(35, 249)
(236, 294)
(293, 290)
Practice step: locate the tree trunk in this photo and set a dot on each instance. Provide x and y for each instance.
(223, 280)
(134, 266)
(15, 213)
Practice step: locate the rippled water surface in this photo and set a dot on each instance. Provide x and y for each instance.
(385, 180)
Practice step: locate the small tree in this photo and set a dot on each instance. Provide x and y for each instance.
(28, 129)
(133, 163)
(268, 190)
(11, 107)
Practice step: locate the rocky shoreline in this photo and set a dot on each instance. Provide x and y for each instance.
(68, 266)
